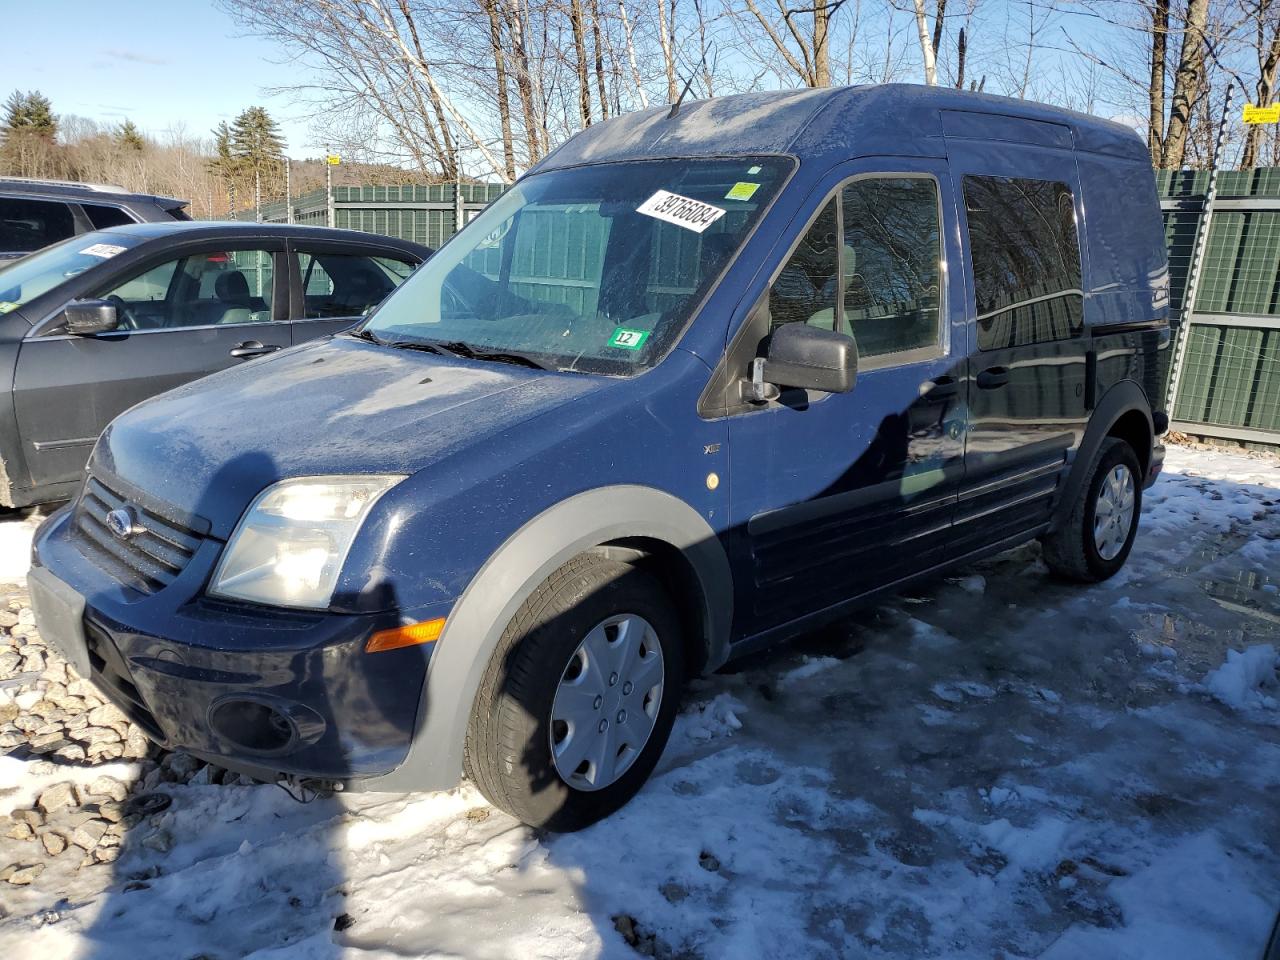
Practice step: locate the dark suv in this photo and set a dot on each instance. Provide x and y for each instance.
(699, 381)
(36, 213)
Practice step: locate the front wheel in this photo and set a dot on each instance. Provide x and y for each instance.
(579, 697)
(1097, 536)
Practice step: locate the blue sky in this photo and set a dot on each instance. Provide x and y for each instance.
(157, 63)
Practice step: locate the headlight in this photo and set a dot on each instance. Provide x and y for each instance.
(289, 546)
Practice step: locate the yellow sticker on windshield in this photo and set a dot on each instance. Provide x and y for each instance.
(742, 191)
(6, 306)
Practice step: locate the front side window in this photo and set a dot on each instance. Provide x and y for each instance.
(892, 264)
(807, 288)
(206, 289)
(870, 265)
(1026, 260)
(347, 285)
(27, 225)
(595, 269)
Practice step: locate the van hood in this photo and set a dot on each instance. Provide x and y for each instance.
(331, 407)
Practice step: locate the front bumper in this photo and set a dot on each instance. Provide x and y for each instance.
(249, 688)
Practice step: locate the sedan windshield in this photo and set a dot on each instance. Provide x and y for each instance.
(595, 269)
(24, 280)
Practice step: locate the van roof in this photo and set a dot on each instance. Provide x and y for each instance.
(895, 119)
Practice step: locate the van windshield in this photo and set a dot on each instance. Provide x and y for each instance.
(594, 269)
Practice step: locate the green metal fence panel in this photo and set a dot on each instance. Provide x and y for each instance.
(1231, 378)
(1265, 414)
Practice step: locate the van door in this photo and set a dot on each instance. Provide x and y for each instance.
(1020, 205)
(834, 495)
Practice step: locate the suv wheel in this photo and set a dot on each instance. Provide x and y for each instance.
(1096, 539)
(579, 698)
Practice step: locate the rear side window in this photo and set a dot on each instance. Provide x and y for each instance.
(1026, 260)
(347, 285)
(27, 225)
(102, 217)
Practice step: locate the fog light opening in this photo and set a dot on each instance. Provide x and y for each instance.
(252, 725)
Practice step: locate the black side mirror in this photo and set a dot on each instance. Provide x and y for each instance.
(809, 358)
(84, 318)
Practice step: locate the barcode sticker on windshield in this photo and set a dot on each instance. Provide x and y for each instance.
(682, 211)
(103, 250)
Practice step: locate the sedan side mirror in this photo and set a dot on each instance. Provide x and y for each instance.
(84, 318)
(808, 358)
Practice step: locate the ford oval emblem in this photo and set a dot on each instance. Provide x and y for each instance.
(122, 523)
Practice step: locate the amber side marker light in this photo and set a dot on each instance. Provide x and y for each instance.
(428, 631)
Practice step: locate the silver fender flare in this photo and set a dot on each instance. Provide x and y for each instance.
(506, 580)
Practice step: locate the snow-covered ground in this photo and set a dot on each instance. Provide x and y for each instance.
(999, 765)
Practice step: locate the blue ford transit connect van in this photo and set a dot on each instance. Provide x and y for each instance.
(702, 379)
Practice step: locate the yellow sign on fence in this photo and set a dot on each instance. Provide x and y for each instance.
(1269, 114)
(333, 159)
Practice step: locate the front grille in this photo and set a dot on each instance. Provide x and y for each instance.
(150, 558)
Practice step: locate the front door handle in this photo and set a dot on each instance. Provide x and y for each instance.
(993, 377)
(252, 348)
(938, 389)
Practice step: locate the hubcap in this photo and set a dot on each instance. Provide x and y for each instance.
(1113, 513)
(607, 702)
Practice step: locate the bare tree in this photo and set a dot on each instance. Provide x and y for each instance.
(1187, 79)
(1265, 12)
(928, 46)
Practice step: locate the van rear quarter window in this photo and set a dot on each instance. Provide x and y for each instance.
(1026, 260)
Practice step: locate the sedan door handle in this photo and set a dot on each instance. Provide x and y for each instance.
(938, 389)
(993, 377)
(252, 348)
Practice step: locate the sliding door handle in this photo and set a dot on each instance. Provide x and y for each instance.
(993, 377)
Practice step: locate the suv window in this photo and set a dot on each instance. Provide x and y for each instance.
(102, 217)
(347, 285)
(204, 289)
(892, 264)
(1026, 260)
(27, 225)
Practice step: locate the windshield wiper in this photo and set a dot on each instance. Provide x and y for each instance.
(461, 348)
(366, 335)
(455, 348)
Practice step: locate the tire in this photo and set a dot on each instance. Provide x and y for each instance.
(1072, 551)
(546, 651)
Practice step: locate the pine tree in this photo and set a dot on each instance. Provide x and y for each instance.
(257, 146)
(224, 164)
(30, 112)
(130, 137)
(256, 140)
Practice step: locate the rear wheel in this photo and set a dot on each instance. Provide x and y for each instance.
(579, 698)
(1097, 536)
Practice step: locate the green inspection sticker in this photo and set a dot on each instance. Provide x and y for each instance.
(628, 339)
(742, 191)
(6, 306)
